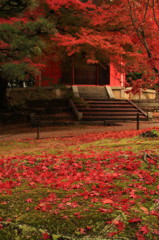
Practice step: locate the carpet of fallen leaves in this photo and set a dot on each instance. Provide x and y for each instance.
(89, 195)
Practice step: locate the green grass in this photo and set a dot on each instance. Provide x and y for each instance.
(134, 144)
(52, 145)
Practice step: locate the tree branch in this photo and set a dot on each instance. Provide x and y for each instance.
(146, 10)
(154, 13)
(139, 31)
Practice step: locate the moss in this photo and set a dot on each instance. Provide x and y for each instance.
(150, 134)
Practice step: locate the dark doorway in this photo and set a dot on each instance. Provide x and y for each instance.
(103, 74)
(81, 73)
(85, 74)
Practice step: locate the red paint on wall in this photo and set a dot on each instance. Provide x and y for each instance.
(116, 78)
(50, 75)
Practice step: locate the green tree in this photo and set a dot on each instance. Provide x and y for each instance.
(24, 36)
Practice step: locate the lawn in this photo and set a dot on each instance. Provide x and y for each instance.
(95, 186)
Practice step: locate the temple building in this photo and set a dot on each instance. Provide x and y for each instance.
(80, 73)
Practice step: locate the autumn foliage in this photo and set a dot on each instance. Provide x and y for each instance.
(125, 30)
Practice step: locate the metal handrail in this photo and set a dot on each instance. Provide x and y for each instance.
(139, 109)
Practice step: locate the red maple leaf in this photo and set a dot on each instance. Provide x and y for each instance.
(29, 200)
(107, 201)
(45, 236)
(144, 229)
(82, 231)
(133, 220)
(89, 228)
(120, 225)
(78, 214)
(139, 236)
(132, 194)
(103, 210)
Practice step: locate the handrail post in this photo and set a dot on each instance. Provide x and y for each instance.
(38, 129)
(138, 121)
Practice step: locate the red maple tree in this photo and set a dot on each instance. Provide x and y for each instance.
(125, 29)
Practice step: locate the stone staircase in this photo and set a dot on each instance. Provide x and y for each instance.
(109, 110)
(96, 104)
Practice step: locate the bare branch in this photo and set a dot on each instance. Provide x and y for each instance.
(139, 31)
(154, 13)
(146, 10)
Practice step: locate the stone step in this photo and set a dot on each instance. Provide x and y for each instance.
(106, 101)
(104, 105)
(106, 109)
(90, 92)
(107, 114)
(115, 117)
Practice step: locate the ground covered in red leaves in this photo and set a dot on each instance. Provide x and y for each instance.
(90, 194)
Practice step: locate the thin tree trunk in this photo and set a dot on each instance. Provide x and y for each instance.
(3, 91)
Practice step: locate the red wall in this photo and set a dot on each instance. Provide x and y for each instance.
(50, 75)
(116, 78)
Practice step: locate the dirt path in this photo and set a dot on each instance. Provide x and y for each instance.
(24, 131)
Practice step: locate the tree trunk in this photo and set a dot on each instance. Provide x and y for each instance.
(3, 91)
